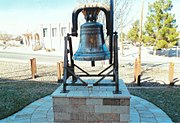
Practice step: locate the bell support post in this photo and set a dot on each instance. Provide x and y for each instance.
(111, 23)
(116, 71)
(65, 64)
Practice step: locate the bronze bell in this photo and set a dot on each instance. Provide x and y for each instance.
(92, 45)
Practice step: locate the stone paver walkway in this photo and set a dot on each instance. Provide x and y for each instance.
(40, 111)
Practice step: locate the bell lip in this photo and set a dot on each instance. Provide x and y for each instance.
(92, 58)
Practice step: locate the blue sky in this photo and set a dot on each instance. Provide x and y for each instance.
(17, 16)
(20, 15)
(35, 5)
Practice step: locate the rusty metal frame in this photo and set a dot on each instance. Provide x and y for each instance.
(69, 67)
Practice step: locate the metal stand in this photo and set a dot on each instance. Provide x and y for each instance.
(113, 48)
(69, 68)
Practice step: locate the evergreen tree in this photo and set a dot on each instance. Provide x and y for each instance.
(160, 26)
(133, 34)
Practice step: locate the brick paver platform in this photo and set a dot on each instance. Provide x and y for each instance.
(41, 111)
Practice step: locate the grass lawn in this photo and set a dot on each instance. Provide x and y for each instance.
(16, 95)
(168, 99)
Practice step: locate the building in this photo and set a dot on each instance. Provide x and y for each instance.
(49, 36)
(52, 35)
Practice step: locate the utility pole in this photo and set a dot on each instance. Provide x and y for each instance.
(140, 33)
(122, 46)
(138, 61)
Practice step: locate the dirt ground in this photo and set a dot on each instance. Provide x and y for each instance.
(152, 75)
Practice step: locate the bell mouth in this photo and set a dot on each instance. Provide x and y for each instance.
(91, 57)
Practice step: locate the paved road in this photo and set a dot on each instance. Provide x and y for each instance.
(52, 58)
(24, 57)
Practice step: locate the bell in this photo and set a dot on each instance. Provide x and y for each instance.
(92, 46)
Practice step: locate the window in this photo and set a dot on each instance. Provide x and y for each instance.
(63, 31)
(44, 32)
(54, 32)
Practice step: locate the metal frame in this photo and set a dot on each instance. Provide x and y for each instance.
(69, 68)
(113, 67)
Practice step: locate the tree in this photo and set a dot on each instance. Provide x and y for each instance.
(18, 38)
(122, 37)
(5, 37)
(133, 34)
(122, 9)
(160, 26)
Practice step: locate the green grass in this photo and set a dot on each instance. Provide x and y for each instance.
(168, 99)
(16, 95)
